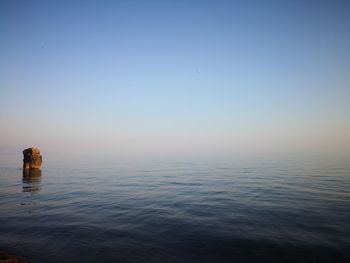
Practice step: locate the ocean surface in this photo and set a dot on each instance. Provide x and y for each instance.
(232, 210)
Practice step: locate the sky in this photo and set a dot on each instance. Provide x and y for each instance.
(175, 77)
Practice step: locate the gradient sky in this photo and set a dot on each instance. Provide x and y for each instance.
(180, 77)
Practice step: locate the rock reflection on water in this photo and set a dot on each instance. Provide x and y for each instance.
(31, 180)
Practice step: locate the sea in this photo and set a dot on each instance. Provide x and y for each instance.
(232, 209)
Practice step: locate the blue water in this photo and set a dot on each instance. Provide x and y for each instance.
(237, 210)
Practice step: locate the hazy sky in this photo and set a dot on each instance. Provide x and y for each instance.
(175, 76)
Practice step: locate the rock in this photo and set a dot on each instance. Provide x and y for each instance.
(32, 158)
(7, 258)
(31, 173)
(31, 180)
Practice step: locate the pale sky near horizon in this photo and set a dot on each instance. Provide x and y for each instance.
(158, 77)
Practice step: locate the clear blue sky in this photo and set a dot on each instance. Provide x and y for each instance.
(175, 76)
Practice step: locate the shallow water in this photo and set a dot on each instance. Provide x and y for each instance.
(168, 211)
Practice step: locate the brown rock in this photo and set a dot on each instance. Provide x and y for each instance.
(31, 181)
(7, 258)
(32, 158)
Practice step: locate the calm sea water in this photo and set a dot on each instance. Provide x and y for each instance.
(251, 210)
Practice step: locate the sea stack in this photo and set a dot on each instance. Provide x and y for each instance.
(32, 158)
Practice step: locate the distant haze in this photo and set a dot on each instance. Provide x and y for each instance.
(175, 77)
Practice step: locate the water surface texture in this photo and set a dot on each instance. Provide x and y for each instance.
(169, 211)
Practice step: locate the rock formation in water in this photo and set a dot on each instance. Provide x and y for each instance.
(31, 173)
(32, 158)
(7, 258)
(31, 181)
